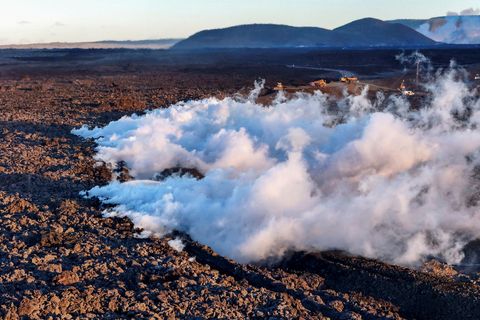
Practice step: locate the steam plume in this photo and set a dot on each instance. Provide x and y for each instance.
(397, 184)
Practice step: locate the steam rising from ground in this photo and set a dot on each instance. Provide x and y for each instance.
(305, 174)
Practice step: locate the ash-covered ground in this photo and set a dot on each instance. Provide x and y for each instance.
(60, 258)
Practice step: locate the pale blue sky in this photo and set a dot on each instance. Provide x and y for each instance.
(28, 21)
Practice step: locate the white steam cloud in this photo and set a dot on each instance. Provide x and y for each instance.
(417, 60)
(305, 173)
(412, 59)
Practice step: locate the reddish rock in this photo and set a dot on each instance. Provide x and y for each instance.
(67, 278)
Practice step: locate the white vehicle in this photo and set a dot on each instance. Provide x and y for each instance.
(477, 76)
(408, 93)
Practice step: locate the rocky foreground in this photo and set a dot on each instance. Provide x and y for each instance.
(59, 258)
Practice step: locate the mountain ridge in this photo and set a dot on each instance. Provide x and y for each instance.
(380, 34)
(104, 44)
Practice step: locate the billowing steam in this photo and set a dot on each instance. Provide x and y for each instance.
(413, 58)
(305, 174)
(417, 60)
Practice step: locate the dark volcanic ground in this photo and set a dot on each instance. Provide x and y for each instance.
(59, 258)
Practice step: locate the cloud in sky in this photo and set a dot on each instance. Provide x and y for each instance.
(466, 12)
(470, 12)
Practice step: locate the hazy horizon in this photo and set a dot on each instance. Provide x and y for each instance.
(29, 21)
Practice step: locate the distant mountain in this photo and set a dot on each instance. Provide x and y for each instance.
(411, 23)
(451, 29)
(257, 36)
(362, 33)
(107, 44)
(374, 32)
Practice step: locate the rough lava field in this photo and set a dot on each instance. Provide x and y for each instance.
(61, 258)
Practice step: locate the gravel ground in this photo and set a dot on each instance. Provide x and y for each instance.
(59, 258)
